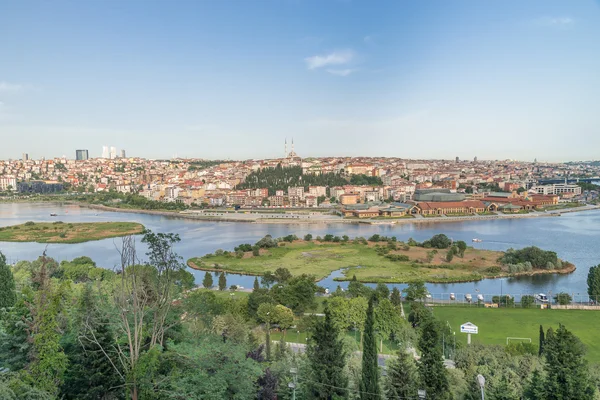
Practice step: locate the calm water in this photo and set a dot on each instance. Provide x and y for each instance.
(573, 236)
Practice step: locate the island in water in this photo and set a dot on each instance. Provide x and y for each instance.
(62, 232)
(381, 259)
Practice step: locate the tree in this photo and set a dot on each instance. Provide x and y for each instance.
(8, 295)
(308, 237)
(256, 285)
(563, 298)
(415, 291)
(541, 346)
(267, 386)
(566, 367)
(535, 389)
(527, 301)
(268, 279)
(396, 297)
(222, 281)
(382, 291)
(402, 377)
(461, 246)
(327, 360)
(357, 289)
(593, 281)
(431, 367)
(298, 293)
(282, 275)
(207, 282)
(450, 255)
(369, 382)
(90, 374)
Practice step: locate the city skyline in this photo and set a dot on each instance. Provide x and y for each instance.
(440, 80)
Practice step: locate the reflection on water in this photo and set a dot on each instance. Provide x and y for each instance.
(572, 236)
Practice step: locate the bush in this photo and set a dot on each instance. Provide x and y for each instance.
(493, 270)
(29, 223)
(505, 300)
(527, 301)
(256, 252)
(243, 247)
(450, 256)
(337, 239)
(62, 235)
(219, 252)
(412, 242)
(440, 241)
(397, 257)
(374, 238)
(345, 238)
(563, 298)
(308, 237)
(328, 238)
(239, 253)
(266, 242)
(57, 222)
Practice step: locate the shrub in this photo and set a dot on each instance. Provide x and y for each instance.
(219, 252)
(256, 252)
(239, 253)
(397, 257)
(62, 235)
(345, 238)
(374, 238)
(412, 242)
(440, 241)
(337, 239)
(450, 256)
(563, 298)
(57, 222)
(308, 237)
(527, 301)
(328, 237)
(29, 223)
(493, 270)
(505, 300)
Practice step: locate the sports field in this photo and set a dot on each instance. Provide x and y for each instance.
(496, 324)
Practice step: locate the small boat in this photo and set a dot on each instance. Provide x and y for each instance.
(542, 298)
(452, 296)
(53, 214)
(468, 297)
(477, 240)
(480, 297)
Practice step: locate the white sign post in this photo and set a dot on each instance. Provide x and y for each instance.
(469, 328)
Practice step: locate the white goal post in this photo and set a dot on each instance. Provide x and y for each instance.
(508, 338)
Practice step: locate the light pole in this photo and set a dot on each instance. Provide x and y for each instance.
(292, 385)
(481, 381)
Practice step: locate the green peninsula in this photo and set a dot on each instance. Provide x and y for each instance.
(60, 232)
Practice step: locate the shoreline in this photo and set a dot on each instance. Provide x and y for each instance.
(400, 221)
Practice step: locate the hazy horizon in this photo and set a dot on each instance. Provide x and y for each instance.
(234, 79)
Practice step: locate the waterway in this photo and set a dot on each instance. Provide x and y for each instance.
(575, 237)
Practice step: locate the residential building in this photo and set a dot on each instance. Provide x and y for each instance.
(557, 188)
(39, 187)
(317, 191)
(276, 201)
(25, 157)
(311, 201)
(349, 198)
(297, 191)
(8, 183)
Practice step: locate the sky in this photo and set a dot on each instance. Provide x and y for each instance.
(505, 79)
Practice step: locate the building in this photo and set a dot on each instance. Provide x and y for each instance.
(317, 191)
(297, 191)
(276, 201)
(451, 207)
(349, 198)
(557, 189)
(123, 153)
(82, 155)
(311, 201)
(113, 152)
(8, 183)
(105, 152)
(457, 160)
(437, 195)
(39, 187)
(25, 157)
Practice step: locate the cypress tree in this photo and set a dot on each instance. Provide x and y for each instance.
(207, 282)
(327, 361)
(567, 375)
(369, 382)
(222, 281)
(256, 284)
(431, 367)
(395, 298)
(402, 378)
(541, 340)
(8, 295)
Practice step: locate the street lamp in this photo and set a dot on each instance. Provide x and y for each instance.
(481, 381)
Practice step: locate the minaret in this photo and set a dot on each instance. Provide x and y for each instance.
(293, 146)
(285, 150)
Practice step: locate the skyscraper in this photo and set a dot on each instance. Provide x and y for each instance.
(113, 152)
(457, 159)
(25, 156)
(123, 153)
(105, 153)
(475, 159)
(82, 155)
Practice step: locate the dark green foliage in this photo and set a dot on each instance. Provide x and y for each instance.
(357, 289)
(91, 374)
(461, 246)
(566, 368)
(207, 282)
(431, 367)
(439, 241)
(542, 341)
(268, 279)
(243, 247)
(256, 285)
(282, 275)
(593, 281)
(15, 346)
(450, 255)
(527, 301)
(402, 381)
(222, 281)
(362, 179)
(256, 298)
(327, 360)
(504, 301)
(415, 291)
(382, 291)
(536, 389)
(369, 381)
(298, 293)
(537, 257)
(7, 285)
(397, 257)
(308, 237)
(563, 298)
(396, 297)
(289, 238)
(267, 242)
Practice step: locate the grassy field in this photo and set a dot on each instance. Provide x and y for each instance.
(59, 232)
(495, 325)
(364, 261)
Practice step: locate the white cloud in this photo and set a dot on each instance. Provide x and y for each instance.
(369, 39)
(554, 21)
(341, 72)
(6, 87)
(335, 58)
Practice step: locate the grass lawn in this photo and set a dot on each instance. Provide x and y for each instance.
(496, 324)
(322, 258)
(59, 232)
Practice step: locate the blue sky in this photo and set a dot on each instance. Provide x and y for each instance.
(233, 79)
